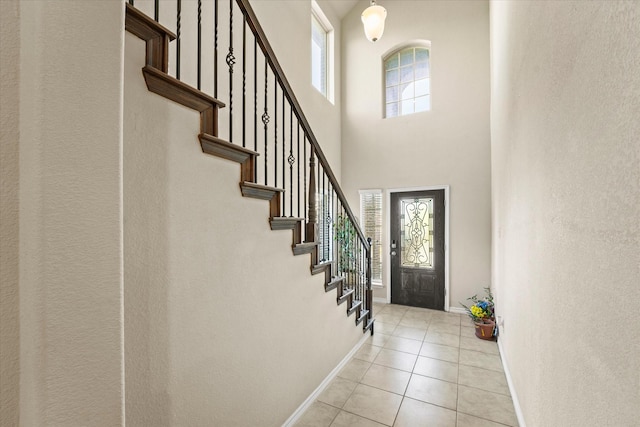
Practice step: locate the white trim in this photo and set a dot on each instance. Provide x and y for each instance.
(380, 300)
(457, 310)
(313, 396)
(386, 261)
(512, 390)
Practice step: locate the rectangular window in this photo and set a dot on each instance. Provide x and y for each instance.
(321, 51)
(371, 221)
(318, 55)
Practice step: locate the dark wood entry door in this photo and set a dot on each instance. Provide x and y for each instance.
(417, 249)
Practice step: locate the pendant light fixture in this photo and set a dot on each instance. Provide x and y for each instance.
(373, 20)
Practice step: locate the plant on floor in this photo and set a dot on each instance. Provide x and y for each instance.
(482, 314)
(481, 309)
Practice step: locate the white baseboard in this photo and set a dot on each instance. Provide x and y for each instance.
(313, 396)
(380, 300)
(514, 396)
(457, 310)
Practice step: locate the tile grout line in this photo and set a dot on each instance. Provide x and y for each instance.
(396, 328)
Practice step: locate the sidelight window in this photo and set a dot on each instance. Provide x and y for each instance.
(371, 221)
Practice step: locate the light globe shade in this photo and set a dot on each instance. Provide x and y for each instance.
(373, 19)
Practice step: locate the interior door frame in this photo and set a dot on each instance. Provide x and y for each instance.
(387, 259)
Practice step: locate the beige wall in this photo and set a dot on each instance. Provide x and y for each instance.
(224, 326)
(9, 212)
(447, 146)
(61, 302)
(566, 186)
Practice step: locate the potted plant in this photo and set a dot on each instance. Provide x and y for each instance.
(482, 314)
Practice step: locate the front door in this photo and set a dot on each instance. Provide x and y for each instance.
(417, 249)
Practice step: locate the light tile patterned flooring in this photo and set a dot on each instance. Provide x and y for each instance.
(421, 368)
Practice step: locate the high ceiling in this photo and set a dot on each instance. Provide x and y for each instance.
(342, 7)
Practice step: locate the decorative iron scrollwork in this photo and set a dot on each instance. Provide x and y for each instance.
(231, 60)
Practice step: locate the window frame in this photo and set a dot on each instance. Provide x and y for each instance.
(318, 15)
(414, 44)
(380, 232)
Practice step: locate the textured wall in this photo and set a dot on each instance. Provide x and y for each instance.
(566, 203)
(70, 213)
(9, 220)
(224, 326)
(447, 146)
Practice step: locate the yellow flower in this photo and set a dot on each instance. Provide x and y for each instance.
(477, 311)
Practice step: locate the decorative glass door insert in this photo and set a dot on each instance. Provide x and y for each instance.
(416, 232)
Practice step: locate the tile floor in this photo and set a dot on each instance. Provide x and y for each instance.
(421, 368)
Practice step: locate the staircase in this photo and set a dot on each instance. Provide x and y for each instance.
(274, 135)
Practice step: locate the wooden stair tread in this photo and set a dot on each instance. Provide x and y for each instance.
(363, 315)
(259, 191)
(368, 326)
(346, 294)
(171, 88)
(322, 267)
(142, 26)
(355, 305)
(285, 222)
(226, 150)
(337, 280)
(304, 248)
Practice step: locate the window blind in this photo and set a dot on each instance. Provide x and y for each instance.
(371, 210)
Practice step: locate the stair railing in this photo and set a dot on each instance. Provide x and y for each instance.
(221, 49)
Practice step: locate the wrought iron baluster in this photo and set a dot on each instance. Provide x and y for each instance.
(244, 79)
(291, 161)
(360, 270)
(354, 265)
(304, 192)
(332, 213)
(284, 132)
(178, 28)
(324, 214)
(199, 43)
(341, 244)
(265, 119)
(275, 132)
(284, 140)
(368, 290)
(156, 10)
(131, 2)
(215, 49)
(356, 295)
(231, 60)
(335, 222)
(298, 181)
(255, 103)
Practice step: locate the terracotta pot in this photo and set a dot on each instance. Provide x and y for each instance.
(484, 329)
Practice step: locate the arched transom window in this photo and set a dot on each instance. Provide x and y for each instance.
(407, 81)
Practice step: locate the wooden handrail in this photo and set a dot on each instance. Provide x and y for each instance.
(258, 32)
